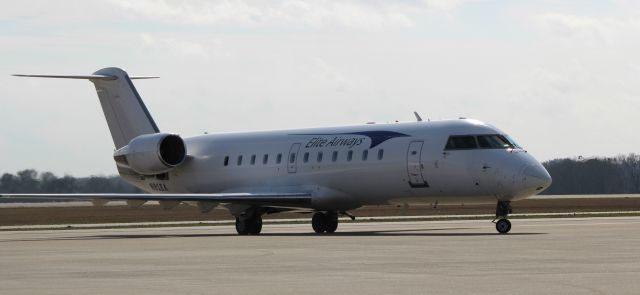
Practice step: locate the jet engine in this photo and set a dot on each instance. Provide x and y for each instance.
(151, 154)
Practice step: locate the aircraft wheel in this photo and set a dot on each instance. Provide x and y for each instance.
(503, 226)
(242, 226)
(319, 222)
(256, 226)
(331, 224)
(250, 226)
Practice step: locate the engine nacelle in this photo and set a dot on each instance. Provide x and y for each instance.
(151, 154)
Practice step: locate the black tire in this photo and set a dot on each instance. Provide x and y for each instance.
(503, 226)
(332, 226)
(256, 226)
(319, 222)
(331, 222)
(242, 227)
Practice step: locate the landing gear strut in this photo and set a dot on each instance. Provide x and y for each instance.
(503, 225)
(249, 223)
(325, 222)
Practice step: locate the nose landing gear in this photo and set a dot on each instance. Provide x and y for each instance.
(503, 225)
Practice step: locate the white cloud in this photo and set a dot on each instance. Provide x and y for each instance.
(351, 14)
(572, 23)
(580, 26)
(197, 12)
(177, 46)
(443, 4)
(324, 71)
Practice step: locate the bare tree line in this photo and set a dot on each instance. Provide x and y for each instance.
(608, 175)
(30, 181)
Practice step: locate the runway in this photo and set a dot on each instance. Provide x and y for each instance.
(540, 256)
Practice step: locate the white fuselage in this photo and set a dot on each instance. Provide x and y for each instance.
(405, 162)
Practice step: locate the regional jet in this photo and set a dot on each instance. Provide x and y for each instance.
(324, 171)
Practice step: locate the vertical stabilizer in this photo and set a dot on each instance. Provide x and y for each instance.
(126, 114)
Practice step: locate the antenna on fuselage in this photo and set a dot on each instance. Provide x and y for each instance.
(418, 118)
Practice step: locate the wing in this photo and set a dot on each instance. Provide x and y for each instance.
(302, 200)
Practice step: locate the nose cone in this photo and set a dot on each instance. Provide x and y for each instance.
(536, 177)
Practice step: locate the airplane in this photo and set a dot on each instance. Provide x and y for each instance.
(324, 171)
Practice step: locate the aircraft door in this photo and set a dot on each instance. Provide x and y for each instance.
(415, 165)
(292, 160)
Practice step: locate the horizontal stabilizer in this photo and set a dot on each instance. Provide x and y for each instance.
(143, 77)
(87, 77)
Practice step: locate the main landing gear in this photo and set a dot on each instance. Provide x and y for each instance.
(249, 226)
(249, 223)
(503, 225)
(325, 222)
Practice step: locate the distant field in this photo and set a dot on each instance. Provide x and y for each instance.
(80, 213)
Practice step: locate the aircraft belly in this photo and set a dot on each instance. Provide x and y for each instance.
(445, 200)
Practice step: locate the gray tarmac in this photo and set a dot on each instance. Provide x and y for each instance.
(540, 256)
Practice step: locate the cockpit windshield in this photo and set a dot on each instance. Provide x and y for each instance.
(513, 142)
(461, 143)
(488, 141)
(493, 142)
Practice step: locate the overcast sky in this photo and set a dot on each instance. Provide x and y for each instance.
(562, 77)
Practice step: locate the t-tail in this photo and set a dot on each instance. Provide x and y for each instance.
(126, 114)
(141, 148)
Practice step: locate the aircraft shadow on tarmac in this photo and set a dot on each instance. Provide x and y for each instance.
(380, 233)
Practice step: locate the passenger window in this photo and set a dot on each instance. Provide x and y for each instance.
(265, 159)
(334, 157)
(279, 159)
(319, 157)
(253, 159)
(226, 161)
(365, 155)
(239, 160)
(461, 143)
(292, 158)
(349, 156)
(380, 154)
(493, 142)
(306, 157)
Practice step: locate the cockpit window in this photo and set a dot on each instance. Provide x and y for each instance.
(513, 142)
(488, 141)
(461, 143)
(493, 142)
